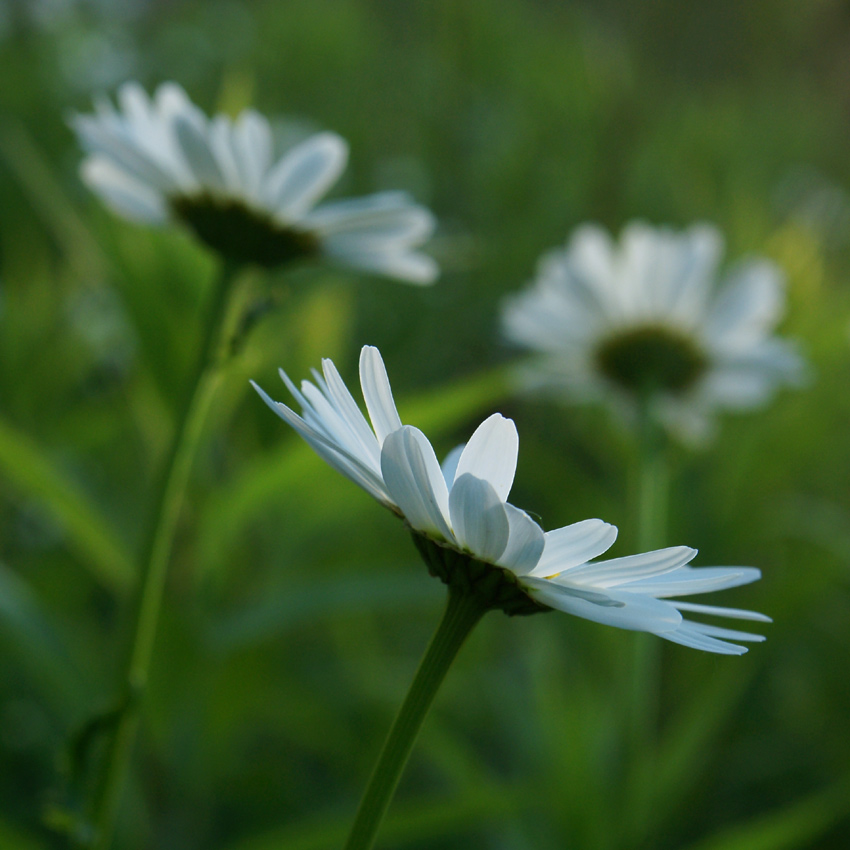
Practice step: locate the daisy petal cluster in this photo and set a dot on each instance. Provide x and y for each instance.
(471, 535)
(647, 322)
(158, 158)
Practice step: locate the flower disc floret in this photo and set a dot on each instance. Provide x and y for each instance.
(649, 359)
(474, 540)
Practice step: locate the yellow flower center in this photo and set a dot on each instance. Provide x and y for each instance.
(651, 358)
(241, 233)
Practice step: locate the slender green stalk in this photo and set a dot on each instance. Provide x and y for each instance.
(651, 493)
(155, 559)
(462, 613)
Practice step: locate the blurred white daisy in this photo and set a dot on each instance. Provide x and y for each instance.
(472, 537)
(646, 323)
(160, 158)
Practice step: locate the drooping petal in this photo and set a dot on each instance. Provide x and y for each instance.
(525, 542)
(574, 545)
(717, 611)
(413, 478)
(491, 454)
(691, 635)
(377, 393)
(479, 520)
(612, 608)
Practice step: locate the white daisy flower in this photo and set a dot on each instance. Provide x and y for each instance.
(472, 537)
(645, 322)
(160, 158)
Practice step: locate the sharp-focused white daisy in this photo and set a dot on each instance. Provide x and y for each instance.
(472, 537)
(646, 322)
(160, 158)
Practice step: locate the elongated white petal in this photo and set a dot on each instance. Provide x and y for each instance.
(349, 410)
(199, 157)
(716, 611)
(332, 453)
(574, 545)
(525, 542)
(252, 145)
(491, 454)
(689, 580)
(127, 196)
(377, 393)
(619, 571)
(688, 635)
(377, 227)
(305, 173)
(623, 610)
(411, 267)
(479, 520)
(413, 479)
(123, 152)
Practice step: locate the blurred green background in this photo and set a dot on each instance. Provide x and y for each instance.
(296, 608)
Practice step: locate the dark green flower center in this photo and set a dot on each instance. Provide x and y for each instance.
(241, 233)
(651, 358)
(494, 586)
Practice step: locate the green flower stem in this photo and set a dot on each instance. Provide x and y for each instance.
(652, 495)
(463, 612)
(155, 559)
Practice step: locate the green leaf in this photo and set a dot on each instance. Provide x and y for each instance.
(24, 465)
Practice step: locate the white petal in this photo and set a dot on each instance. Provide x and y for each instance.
(618, 571)
(221, 145)
(491, 454)
(334, 454)
(305, 173)
(346, 405)
(126, 196)
(525, 542)
(748, 306)
(199, 157)
(414, 480)
(124, 152)
(369, 229)
(252, 145)
(688, 635)
(479, 519)
(377, 393)
(574, 545)
(623, 610)
(332, 214)
(716, 611)
(410, 267)
(689, 580)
